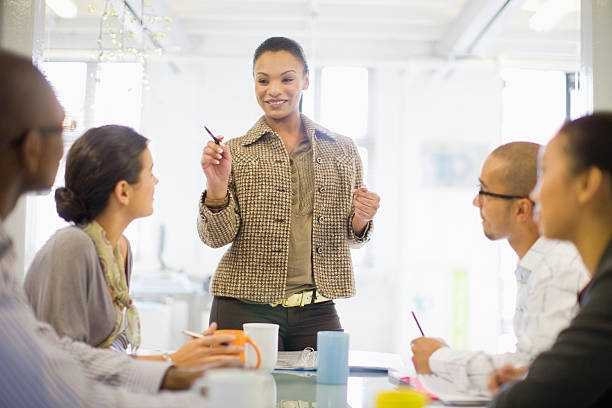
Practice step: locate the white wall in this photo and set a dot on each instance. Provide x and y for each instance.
(456, 117)
(424, 232)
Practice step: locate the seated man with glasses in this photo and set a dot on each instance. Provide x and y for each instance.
(549, 274)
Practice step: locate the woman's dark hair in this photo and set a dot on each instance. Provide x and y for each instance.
(589, 141)
(275, 44)
(96, 162)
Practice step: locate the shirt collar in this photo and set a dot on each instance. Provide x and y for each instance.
(536, 253)
(261, 128)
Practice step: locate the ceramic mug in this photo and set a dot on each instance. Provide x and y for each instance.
(241, 340)
(266, 337)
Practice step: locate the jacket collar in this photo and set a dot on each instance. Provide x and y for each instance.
(261, 128)
(605, 265)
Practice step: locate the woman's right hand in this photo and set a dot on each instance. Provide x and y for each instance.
(216, 163)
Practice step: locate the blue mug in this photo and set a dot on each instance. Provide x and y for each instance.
(332, 357)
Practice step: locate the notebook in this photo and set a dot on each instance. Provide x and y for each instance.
(448, 393)
(359, 361)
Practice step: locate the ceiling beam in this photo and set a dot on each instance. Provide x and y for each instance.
(476, 25)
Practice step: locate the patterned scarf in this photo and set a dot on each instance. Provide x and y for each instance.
(113, 267)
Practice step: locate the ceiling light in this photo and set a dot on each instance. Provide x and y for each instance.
(63, 8)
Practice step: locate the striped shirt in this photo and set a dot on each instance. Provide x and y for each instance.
(38, 369)
(549, 278)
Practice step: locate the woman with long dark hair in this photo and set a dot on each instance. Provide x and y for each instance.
(79, 280)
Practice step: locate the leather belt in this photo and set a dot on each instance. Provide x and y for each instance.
(301, 299)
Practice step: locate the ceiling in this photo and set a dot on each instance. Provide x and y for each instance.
(361, 31)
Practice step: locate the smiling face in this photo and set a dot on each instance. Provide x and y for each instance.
(141, 200)
(279, 82)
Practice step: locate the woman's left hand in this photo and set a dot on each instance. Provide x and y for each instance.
(366, 203)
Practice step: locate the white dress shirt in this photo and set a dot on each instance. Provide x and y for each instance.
(549, 278)
(38, 369)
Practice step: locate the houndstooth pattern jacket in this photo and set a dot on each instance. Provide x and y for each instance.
(257, 219)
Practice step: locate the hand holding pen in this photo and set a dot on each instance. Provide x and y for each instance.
(216, 162)
(422, 349)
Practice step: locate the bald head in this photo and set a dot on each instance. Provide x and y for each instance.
(27, 98)
(520, 161)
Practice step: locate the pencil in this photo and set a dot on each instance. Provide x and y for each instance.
(418, 325)
(211, 135)
(193, 334)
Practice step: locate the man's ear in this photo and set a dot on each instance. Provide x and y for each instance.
(30, 151)
(524, 209)
(121, 192)
(589, 184)
(306, 81)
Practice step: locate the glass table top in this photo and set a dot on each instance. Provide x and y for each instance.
(300, 390)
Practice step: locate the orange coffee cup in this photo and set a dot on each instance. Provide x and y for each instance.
(241, 340)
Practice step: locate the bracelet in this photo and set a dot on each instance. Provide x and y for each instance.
(167, 357)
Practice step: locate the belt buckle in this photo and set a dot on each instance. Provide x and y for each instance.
(306, 298)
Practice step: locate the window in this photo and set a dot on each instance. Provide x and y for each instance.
(344, 109)
(117, 99)
(533, 104)
(344, 100)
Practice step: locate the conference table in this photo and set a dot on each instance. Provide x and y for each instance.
(300, 390)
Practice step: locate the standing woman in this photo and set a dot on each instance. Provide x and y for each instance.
(79, 280)
(289, 197)
(575, 199)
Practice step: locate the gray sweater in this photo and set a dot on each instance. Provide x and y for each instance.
(66, 288)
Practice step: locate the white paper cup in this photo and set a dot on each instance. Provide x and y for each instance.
(265, 335)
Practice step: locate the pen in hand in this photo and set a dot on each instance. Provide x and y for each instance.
(217, 141)
(417, 322)
(193, 334)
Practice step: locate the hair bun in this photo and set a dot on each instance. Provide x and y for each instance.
(69, 206)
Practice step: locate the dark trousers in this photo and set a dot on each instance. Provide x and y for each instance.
(298, 326)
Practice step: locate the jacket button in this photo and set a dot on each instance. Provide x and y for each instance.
(322, 190)
(320, 220)
(319, 160)
(319, 250)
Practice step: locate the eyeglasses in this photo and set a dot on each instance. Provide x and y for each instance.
(481, 193)
(67, 125)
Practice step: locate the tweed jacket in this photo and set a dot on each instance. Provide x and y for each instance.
(257, 218)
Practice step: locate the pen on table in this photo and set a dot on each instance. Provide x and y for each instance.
(193, 334)
(211, 135)
(417, 322)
